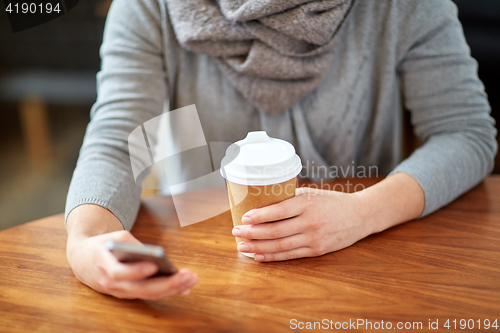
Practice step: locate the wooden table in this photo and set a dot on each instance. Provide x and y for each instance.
(444, 266)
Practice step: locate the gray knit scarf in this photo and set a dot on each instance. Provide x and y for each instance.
(274, 52)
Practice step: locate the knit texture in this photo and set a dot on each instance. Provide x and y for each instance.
(274, 52)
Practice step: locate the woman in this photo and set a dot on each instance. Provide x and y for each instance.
(332, 76)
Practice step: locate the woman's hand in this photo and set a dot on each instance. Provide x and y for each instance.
(311, 224)
(316, 222)
(98, 268)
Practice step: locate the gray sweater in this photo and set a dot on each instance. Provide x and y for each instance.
(390, 55)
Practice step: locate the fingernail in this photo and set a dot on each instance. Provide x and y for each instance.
(185, 277)
(242, 247)
(259, 257)
(186, 292)
(246, 220)
(236, 232)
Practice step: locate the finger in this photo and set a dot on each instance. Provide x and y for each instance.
(274, 245)
(183, 286)
(157, 288)
(279, 211)
(130, 271)
(302, 252)
(272, 230)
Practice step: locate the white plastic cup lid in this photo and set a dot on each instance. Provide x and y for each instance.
(260, 160)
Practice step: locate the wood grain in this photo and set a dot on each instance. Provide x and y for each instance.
(444, 266)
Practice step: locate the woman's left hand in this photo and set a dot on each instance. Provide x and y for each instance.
(312, 223)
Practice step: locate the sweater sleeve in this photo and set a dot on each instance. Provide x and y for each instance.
(131, 90)
(449, 108)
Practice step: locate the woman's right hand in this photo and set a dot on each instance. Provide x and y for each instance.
(98, 268)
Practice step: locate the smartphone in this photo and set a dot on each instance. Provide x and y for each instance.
(126, 252)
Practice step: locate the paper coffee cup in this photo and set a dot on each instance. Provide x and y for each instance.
(259, 171)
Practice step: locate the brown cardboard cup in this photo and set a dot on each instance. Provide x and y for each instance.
(244, 198)
(259, 171)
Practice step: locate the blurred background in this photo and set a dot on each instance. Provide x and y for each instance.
(47, 87)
